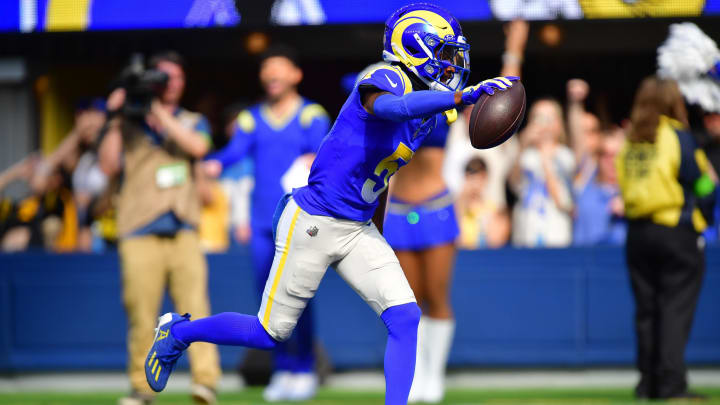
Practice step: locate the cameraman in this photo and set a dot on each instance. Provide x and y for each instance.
(158, 210)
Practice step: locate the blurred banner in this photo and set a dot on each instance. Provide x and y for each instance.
(81, 15)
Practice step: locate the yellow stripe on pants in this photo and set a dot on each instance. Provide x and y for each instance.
(281, 265)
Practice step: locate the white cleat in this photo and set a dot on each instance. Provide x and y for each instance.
(303, 386)
(279, 387)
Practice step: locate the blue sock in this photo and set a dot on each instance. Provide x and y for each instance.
(304, 355)
(402, 324)
(227, 328)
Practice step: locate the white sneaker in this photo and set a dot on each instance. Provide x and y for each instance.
(135, 398)
(279, 387)
(434, 391)
(202, 394)
(303, 386)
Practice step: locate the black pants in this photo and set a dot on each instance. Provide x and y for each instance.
(666, 268)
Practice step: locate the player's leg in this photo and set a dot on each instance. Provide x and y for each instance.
(295, 355)
(143, 285)
(303, 382)
(283, 300)
(371, 268)
(296, 272)
(403, 231)
(411, 264)
(293, 359)
(262, 251)
(438, 325)
(188, 289)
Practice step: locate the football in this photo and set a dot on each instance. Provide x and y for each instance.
(494, 119)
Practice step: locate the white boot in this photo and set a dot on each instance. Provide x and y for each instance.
(279, 387)
(303, 386)
(417, 392)
(439, 333)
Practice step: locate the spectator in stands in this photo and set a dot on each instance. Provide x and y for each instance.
(75, 155)
(158, 211)
(281, 135)
(482, 223)
(89, 182)
(599, 215)
(15, 235)
(667, 189)
(47, 217)
(542, 180)
(584, 130)
(51, 216)
(237, 181)
(500, 159)
(99, 231)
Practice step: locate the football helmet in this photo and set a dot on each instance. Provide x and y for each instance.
(429, 42)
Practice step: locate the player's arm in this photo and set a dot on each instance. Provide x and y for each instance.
(236, 150)
(425, 103)
(387, 94)
(379, 215)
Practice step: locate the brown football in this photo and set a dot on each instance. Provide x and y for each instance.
(494, 119)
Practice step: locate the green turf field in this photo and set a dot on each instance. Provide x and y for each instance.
(339, 397)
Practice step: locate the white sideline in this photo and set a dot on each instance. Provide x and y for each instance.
(359, 380)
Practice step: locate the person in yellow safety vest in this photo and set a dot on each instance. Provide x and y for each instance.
(667, 187)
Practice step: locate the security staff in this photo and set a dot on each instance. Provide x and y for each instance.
(667, 189)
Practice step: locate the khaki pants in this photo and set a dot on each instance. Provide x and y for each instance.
(149, 264)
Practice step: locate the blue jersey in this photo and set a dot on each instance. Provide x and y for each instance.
(438, 137)
(273, 146)
(361, 152)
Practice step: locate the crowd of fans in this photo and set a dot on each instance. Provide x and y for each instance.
(554, 184)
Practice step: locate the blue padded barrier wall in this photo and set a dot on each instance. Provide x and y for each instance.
(564, 307)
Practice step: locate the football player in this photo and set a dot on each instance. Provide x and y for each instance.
(337, 218)
(283, 129)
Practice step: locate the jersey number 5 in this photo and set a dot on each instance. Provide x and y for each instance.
(389, 165)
